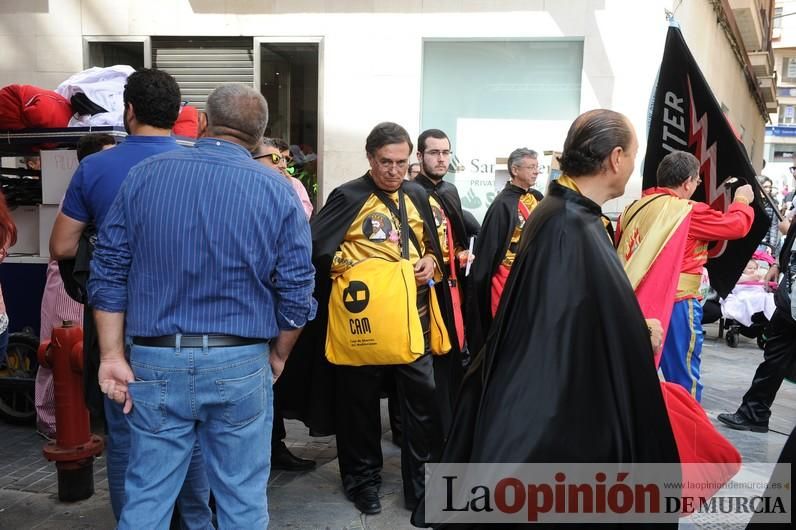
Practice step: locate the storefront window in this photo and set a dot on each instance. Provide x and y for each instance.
(492, 97)
(289, 82)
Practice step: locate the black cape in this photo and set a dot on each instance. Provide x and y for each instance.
(490, 248)
(567, 373)
(306, 389)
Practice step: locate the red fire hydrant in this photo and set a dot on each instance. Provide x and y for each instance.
(74, 448)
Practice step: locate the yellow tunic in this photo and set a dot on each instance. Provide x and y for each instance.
(376, 233)
(530, 202)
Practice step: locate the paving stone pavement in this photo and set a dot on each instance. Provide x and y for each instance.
(28, 486)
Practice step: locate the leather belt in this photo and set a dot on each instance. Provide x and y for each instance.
(195, 341)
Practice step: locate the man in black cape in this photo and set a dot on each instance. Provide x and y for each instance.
(310, 387)
(434, 152)
(779, 354)
(497, 241)
(567, 374)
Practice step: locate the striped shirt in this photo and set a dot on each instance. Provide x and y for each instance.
(205, 240)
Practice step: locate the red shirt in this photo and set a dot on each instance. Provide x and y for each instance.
(707, 224)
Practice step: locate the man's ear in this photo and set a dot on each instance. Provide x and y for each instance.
(615, 158)
(129, 112)
(202, 124)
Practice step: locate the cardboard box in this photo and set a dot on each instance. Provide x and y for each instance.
(27, 220)
(57, 168)
(47, 214)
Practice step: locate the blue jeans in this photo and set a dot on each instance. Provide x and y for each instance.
(682, 351)
(223, 398)
(195, 493)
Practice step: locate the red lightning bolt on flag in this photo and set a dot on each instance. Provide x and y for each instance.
(716, 195)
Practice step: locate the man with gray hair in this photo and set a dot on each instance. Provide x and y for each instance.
(206, 259)
(497, 243)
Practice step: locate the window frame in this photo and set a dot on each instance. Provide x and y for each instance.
(147, 41)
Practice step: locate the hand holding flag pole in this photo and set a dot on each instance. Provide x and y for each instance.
(732, 180)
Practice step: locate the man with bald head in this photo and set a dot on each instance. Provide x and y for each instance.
(205, 257)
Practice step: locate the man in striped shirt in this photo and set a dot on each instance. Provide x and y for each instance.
(205, 258)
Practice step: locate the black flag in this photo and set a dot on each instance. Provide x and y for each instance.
(685, 116)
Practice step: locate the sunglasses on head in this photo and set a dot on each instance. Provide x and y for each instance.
(275, 157)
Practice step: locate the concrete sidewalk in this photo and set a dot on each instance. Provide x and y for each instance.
(28, 489)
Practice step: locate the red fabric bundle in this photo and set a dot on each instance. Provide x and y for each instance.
(30, 107)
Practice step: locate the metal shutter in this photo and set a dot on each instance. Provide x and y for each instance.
(200, 64)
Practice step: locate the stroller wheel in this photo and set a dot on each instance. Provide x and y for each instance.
(732, 338)
(761, 341)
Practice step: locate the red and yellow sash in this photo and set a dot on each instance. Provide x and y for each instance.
(654, 231)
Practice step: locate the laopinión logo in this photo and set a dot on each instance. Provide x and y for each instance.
(606, 493)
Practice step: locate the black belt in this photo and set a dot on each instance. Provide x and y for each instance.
(195, 341)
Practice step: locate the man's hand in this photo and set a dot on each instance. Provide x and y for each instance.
(280, 350)
(784, 226)
(745, 193)
(277, 364)
(114, 374)
(465, 257)
(656, 333)
(424, 270)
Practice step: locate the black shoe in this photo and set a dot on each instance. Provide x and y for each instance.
(284, 460)
(739, 422)
(367, 501)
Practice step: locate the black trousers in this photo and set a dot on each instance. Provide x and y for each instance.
(394, 411)
(778, 355)
(444, 391)
(359, 424)
(445, 394)
(278, 432)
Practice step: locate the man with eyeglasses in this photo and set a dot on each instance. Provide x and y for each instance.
(434, 156)
(342, 244)
(497, 243)
(666, 225)
(275, 153)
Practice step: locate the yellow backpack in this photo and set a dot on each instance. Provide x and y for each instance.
(373, 317)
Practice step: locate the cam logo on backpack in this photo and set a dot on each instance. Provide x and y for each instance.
(356, 297)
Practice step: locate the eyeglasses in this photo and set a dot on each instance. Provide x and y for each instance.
(437, 152)
(275, 157)
(697, 180)
(387, 165)
(792, 168)
(531, 167)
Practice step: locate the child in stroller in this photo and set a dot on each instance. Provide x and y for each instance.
(749, 306)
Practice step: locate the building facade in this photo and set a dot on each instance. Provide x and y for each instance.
(781, 132)
(495, 75)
